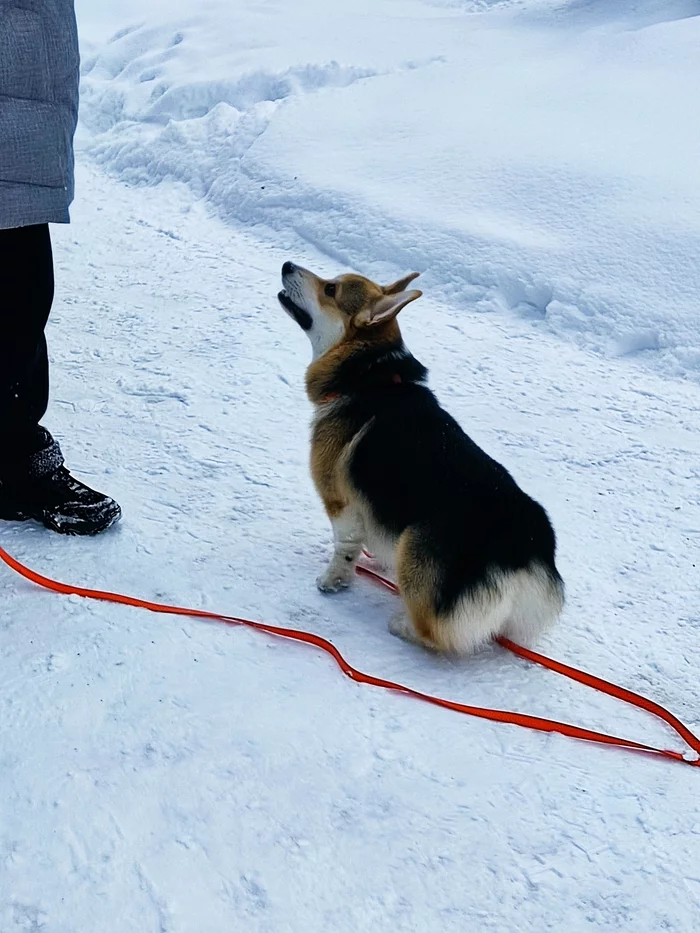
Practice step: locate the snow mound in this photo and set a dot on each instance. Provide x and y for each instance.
(640, 13)
(541, 168)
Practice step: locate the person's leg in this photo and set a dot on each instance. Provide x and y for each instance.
(33, 481)
(26, 293)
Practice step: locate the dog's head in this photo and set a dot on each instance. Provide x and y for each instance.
(344, 308)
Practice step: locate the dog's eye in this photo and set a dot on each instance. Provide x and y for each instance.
(329, 290)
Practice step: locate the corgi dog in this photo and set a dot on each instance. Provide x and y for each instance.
(472, 553)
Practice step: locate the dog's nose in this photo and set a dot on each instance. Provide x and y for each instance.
(288, 268)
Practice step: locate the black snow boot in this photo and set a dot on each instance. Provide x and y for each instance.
(60, 502)
(37, 485)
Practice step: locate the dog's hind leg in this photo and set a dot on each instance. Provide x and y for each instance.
(403, 625)
(416, 621)
(473, 621)
(348, 537)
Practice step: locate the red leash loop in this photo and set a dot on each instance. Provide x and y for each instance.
(518, 719)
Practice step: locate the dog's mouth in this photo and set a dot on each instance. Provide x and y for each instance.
(300, 315)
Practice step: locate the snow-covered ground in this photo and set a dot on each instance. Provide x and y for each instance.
(540, 163)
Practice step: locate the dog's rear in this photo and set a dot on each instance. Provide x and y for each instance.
(520, 604)
(474, 555)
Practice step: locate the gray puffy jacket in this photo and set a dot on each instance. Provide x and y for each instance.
(39, 66)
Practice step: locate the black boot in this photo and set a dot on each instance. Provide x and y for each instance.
(60, 502)
(37, 485)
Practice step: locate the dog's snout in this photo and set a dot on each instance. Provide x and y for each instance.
(288, 268)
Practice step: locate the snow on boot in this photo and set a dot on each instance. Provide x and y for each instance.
(60, 502)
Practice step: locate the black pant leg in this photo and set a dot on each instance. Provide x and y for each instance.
(26, 294)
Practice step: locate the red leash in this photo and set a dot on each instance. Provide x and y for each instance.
(518, 719)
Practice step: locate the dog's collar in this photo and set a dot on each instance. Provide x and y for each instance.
(332, 396)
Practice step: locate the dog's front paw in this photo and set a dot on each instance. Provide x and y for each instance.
(333, 582)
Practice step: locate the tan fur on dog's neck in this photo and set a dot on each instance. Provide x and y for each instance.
(334, 435)
(320, 373)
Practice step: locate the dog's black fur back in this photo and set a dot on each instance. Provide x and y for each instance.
(416, 467)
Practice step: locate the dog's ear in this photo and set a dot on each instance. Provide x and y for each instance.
(385, 308)
(400, 285)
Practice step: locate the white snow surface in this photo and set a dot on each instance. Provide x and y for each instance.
(539, 163)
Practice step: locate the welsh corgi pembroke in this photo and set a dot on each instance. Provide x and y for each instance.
(473, 554)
